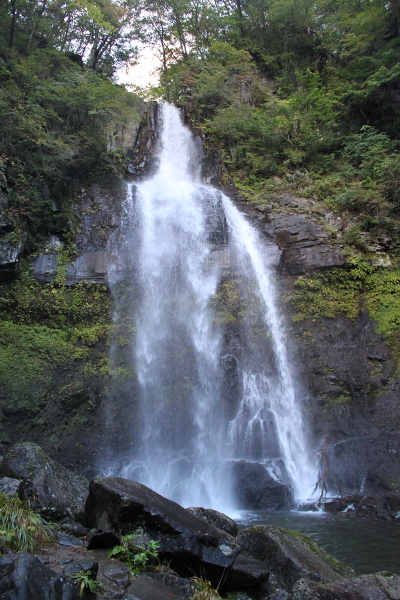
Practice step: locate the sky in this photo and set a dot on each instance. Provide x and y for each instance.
(143, 73)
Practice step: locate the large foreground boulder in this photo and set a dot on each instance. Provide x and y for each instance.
(52, 490)
(290, 556)
(189, 543)
(377, 586)
(255, 489)
(24, 577)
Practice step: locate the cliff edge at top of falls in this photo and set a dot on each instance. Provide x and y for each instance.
(58, 325)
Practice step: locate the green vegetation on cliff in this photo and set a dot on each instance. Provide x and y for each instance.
(47, 327)
(299, 97)
(57, 113)
(350, 291)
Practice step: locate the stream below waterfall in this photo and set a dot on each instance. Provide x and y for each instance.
(365, 545)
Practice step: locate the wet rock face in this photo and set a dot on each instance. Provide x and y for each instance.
(367, 463)
(101, 211)
(52, 490)
(352, 400)
(255, 489)
(189, 542)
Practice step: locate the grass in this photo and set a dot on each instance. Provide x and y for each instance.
(22, 530)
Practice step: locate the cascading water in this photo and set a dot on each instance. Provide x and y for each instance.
(264, 395)
(186, 428)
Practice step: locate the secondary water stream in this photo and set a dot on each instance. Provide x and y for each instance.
(180, 235)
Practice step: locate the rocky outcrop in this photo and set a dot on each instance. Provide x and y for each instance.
(53, 490)
(290, 556)
(305, 243)
(351, 399)
(124, 137)
(10, 253)
(101, 209)
(185, 540)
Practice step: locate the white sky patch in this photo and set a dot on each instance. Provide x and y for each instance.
(144, 73)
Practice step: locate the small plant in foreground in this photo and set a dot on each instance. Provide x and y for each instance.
(205, 591)
(22, 530)
(135, 556)
(85, 583)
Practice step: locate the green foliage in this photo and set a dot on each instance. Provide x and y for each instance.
(52, 135)
(327, 295)
(46, 327)
(348, 291)
(135, 556)
(383, 300)
(57, 305)
(27, 356)
(204, 591)
(86, 583)
(22, 530)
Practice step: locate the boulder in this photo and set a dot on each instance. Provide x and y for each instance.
(290, 556)
(89, 567)
(117, 573)
(377, 586)
(150, 587)
(246, 573)
(52, 490)
(24, 577)
(367, 507)
(255, 489)
(189, 543)
(74, 528)
(216, 518)
(70, 541)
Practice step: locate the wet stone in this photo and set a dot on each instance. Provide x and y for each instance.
(64, 539)
(10, 486)
(118, 574)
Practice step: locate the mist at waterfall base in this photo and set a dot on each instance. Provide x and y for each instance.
(211, 389)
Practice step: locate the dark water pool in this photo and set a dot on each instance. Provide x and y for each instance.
(365, 545)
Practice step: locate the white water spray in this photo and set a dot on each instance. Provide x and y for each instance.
(184, 437)
(260, 397)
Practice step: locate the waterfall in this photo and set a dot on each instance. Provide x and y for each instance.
(262, 396)
(187, 428)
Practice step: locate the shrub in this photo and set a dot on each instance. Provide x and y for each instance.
(135, 556)
(22, 530)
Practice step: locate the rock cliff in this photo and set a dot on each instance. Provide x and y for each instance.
(347, 369)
